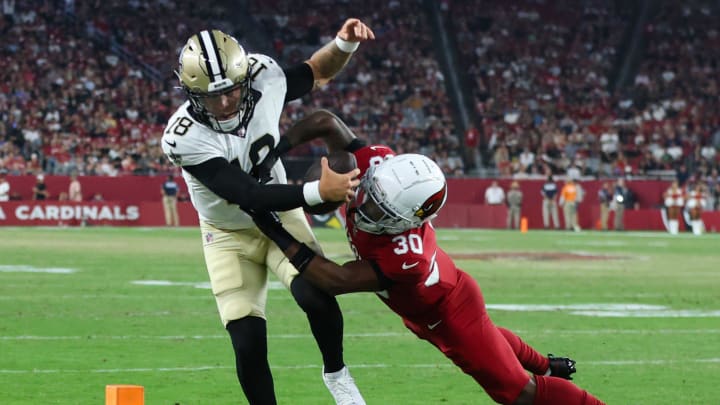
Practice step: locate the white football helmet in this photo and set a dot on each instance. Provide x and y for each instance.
(400, 193)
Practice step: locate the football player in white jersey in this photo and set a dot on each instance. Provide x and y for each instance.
(226, 139)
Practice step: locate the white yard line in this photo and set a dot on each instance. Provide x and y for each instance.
(317, 366)
(21, 268)
(370, 335)
(21, 296)
(650, 235)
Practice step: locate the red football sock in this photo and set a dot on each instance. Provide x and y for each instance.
(553, 391)
(530, 359)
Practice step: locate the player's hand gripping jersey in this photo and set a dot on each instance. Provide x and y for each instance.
(421, 273)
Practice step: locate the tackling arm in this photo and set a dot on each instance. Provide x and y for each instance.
(321, 124)
(353, 276)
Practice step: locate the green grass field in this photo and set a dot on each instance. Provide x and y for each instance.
(644, 328)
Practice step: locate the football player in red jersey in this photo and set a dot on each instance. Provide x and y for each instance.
(389, 230)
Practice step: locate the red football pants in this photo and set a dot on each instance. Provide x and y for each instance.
(468, 337)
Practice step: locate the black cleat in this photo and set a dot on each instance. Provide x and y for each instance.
(561, 367)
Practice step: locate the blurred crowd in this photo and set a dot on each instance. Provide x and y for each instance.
(85, 93)
(541, 75)
(75, 94)
(392, 92)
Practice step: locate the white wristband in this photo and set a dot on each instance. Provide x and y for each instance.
(311, 192)
(346, 46)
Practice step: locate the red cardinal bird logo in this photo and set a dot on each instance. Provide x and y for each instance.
(432, 204)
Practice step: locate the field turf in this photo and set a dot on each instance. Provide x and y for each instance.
(82, 308)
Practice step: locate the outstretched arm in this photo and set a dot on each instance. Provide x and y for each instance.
(329, 60)
(353, 276)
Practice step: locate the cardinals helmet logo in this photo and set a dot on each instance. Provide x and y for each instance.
(432, 204)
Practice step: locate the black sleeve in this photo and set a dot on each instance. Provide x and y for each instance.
(300, 81)
(234, 185)
(384, 281)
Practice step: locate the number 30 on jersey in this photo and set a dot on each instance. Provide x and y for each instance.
(408, 243)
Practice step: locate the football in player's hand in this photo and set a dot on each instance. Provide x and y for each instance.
(340, 162)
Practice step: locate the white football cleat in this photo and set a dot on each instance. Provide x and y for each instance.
(342, 387)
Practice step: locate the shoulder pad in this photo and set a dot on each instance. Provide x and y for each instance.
(263, 68)
(187, 142)
(371, 155)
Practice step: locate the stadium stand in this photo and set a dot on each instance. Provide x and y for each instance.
(393, 92)
(548, 84)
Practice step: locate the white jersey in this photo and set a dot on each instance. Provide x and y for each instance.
(188, 142)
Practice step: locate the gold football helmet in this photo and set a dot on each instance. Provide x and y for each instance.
(214, 71)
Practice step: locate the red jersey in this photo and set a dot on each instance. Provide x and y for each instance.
(422, 274)
(371, 155)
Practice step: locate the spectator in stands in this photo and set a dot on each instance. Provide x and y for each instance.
(605, 198)
(569, 201)
(502, 160)
(40, 189)
(75, 189)
(573, 171)
(682, 174)
(715, 193)
(33, 165)
(4, 186)
(526, 160)
(472, 140)
(8, 7)
(494, 195)
(169, 199)
(514, 201)
(549, 205)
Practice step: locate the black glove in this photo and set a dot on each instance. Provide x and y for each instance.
(269, 223)
(261, 171)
